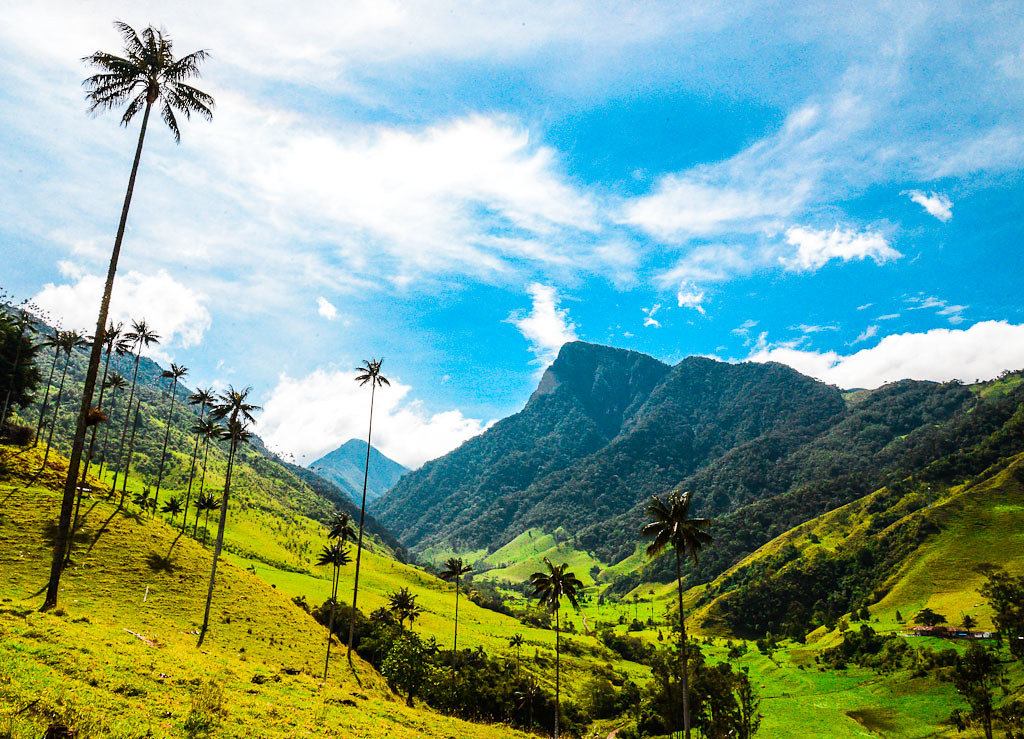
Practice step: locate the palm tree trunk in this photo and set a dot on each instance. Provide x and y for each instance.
(191, 474)
(56, 407)
(92, 439)
(124, 431)
(106, 434)
(362, 515)
(64, 524)
(682, 648)
(558, 672)
(131, 449)
(220, 533)
(455, 645)
(330, 627)
(46, 395)
(167, 436)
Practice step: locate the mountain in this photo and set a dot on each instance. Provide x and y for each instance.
(762, 447)
(345, 465)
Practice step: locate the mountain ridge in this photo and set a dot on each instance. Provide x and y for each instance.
(345, 466)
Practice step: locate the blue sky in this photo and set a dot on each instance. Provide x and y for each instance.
(463, 187)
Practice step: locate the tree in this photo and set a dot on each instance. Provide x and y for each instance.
(209, 430)
(340, 527)
(977, 676)
(147, 74)
(115, 383)
(135, 340)
(202, 398)
(516, 641)
(50, 342)
(928, 617)
(405, 665)
(337, 556)
(204, 504)
(672, 526)
(403, 605)
(67, 341)
(172, 506)
(368, 372)
(174, 374)
(19, 374)
(550, 587)
(1006, 596)
(233, 406)
(454, 569)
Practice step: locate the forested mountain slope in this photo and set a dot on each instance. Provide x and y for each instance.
(345, 467)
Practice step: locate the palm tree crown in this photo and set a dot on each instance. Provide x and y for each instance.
(340, 527)
(335, 554)
(673, 526)
(147, 74)
(369, 371)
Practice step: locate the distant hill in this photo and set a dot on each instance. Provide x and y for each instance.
(345, 465)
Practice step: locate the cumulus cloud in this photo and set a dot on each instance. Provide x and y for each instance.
(936, 204)
(649, 319)
(175, 311)
(691, 297)
(979, 352)
(326, 308)
(817, 248)
(312, 415)
(547, 327)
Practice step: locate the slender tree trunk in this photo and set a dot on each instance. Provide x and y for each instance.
(558, 672)
(92, 437)
(330, 627)
(124, 432)
(455, 645)
(14, 377)
(131, 449)
(167, 436)
(46, 395)
(191, 474)
(56, 408)
(106, 433)
(362, 515)
(64, 524)
(220, 532)
(682, 648)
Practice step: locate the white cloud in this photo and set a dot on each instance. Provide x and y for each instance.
(816, 248)
(869, 333)
(813, 329)
(953, 313)
(326, 308)
(979, 352)
(691, 298)
(649, 319)
(547, 327)
(175, 311)
(936, 204)
(311, 415)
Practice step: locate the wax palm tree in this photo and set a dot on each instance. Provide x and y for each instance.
(403, 605)
(20, 323)
(340, 527)
(210, 431)
(368, 372)
(144, 500)
(111, 338)
(204, 504)
(336, 555)
(526, 698)
(115, 383)
(550, 587)
(136, 421)
(202, 398)
(135, 341)
(174, 374)
(50, 342)
(68, 341)
(517, 641)
(172, 506)
(148, 74)
(232, 405)
(454, 569)
(672, 526)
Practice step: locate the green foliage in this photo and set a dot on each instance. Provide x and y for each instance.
(1006, 596)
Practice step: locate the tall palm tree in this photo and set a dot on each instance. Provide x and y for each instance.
(175, 373)
(517, 641)
(21, 323)
(68, 342)
(201, 397)
(340, 527)
(454, 569)
(211, 431)
(403, 604)
(135, 341)
(172, 506)
(337, 556)
(115, 383)
(136, 420)
(232, 405)
(550, 587)
(204, 504)
(368, 372)
(50, 342)
(671, 525)
(147, 74)
(111, 337)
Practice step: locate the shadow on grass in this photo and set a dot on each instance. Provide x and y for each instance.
(159, 562)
